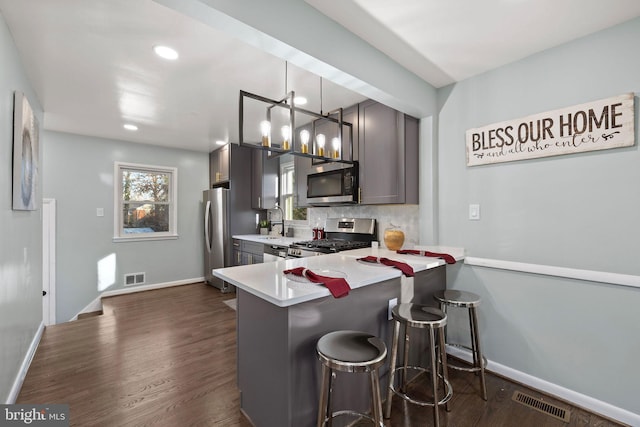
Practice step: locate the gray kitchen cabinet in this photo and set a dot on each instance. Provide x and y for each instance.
(264, 183)
(388, 155)
(246, 253)
(219, 165)
(237, 252)
(242, 218)
(251, 258)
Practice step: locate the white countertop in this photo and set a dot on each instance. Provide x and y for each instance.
(268, 239)
(267, 281)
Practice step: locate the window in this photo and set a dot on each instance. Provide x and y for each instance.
(288, 192)
(145, 202)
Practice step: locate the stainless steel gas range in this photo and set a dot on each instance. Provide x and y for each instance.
(341, 234)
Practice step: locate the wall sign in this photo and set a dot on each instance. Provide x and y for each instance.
(599, 125)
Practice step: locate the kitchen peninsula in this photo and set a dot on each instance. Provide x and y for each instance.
(280, 318)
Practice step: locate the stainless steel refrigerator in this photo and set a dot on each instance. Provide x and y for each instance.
(216, 235)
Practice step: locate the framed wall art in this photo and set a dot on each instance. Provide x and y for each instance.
(25, 154)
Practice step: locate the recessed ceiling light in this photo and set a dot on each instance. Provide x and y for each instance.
(221, 142)
(130, 127)
(166, 52)
(300, 100)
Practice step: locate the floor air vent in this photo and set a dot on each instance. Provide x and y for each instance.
(541, 406)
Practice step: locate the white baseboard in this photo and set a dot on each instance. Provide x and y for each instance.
(26, 362)
(96, 304)
(142, 288)
(573, 397)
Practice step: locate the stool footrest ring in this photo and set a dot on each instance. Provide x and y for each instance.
(464, 368)
(352, 413)
(408, 398)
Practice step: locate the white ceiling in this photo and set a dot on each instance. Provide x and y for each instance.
(448, 41)
(93, 69)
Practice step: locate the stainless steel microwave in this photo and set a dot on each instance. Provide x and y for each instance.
(334, 187)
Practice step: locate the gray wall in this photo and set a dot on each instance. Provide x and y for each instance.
(579, 211)
(79, 175)
(20, 231)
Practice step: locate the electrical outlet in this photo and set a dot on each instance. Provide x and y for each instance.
(392, 303)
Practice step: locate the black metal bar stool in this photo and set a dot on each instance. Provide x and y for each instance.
(470, 301)
(350, 351)
(434, 320)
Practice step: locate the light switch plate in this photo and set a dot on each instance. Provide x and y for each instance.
(474, 212)
(99, 211)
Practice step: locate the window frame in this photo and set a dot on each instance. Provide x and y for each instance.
(118, 230)
(285, 166)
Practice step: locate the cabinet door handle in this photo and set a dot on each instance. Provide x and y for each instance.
(259, 201)
(359, 194)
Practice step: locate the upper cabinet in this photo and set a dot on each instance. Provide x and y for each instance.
(264, 183)
(385, 143)
(388, 155)
(229, 168)
(251, 166)
(219, 165)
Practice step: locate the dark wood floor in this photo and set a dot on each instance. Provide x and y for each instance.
(168, 358)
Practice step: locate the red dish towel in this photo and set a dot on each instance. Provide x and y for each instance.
(406, 269)
(336, 285)
(371, 259)
(448, 258)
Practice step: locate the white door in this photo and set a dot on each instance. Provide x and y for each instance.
(49, 261)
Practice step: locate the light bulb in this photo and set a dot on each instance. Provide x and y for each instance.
(335, 142)
(286, 136)
(320, 142)
(265, 128)
(304, 139)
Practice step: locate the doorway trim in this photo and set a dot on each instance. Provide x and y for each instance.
(49, 261)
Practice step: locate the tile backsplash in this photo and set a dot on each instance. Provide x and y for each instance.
(405, 217)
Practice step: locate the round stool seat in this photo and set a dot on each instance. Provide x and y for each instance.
(458, 298)
(419, 316)
(351, 351)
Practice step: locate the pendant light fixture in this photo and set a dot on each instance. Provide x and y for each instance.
(320, 138)
(276, 130)
(285, 130)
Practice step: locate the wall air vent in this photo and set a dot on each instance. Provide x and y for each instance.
(134, 279)
(555, 411)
